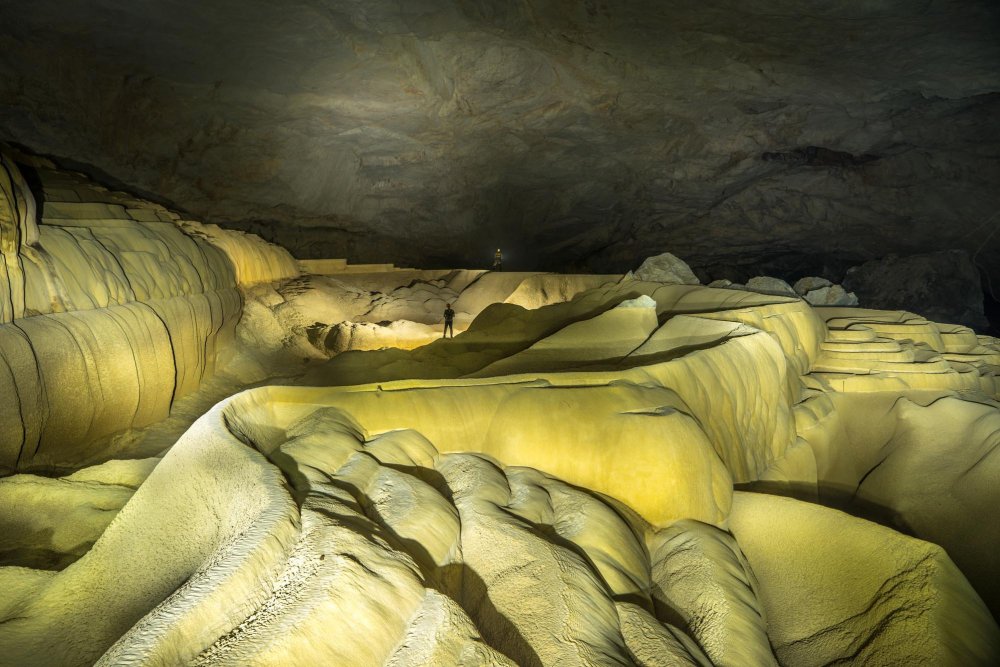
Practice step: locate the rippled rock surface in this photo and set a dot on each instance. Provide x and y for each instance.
(556, 486)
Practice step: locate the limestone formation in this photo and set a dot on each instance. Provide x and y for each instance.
(318, 316)
(598, 470)
(114, 309)
(803, 555)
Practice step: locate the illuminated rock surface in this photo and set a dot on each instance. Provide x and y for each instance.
(596, 470)
(836, 589)
(113, 309)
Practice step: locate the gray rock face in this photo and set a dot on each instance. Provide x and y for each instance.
(821, 292)
(832, 295)
(569, 134)
(666, 268)
(805, 285)
(942, 286)
(769, 285)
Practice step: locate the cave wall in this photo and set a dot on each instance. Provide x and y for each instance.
(781, 137)
(111, 309)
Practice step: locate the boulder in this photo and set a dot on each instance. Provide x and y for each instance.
(666, 268)
(821, 292)
(769, 285)
(805, 285)
(833, 295)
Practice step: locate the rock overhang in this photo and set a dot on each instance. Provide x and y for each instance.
(574, 135)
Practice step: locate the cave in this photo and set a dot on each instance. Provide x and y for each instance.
(499, 333)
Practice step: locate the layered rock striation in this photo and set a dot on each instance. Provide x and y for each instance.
(112, 307)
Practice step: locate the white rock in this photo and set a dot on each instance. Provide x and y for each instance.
(643, 301)
(666, 268)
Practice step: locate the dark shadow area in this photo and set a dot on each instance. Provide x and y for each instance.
(498, 631)
(40, 557)
(96, 174)
(991, 306)
(786, 263)
(34, 182)
(297, 482)
(820, 156)
(428, 476)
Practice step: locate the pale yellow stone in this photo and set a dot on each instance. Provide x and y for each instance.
(49, 523)
(629, 442)
(554, 486)
(839, 588)
(702, 581)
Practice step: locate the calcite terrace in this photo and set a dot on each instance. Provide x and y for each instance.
(597, 470)
(111, 308)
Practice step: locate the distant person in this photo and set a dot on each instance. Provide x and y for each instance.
(498, 260)
(449, 321)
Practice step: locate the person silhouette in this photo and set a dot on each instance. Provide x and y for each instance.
(449, 321)
(498, 260)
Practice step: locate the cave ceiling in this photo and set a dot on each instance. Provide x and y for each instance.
(787, 136)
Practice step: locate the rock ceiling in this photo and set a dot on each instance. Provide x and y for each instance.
(785, 135)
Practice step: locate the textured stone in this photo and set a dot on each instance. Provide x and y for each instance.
(18, 227)
(575, 515)
(737, 135)
(666, 268)
(700, 574)
(805, 285)
(906, 602)
(821, 292)
(769, 285)
(943, 286)
(110, 310)
(835, 295)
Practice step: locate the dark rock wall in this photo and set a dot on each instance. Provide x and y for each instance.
(942, 286)
(738, 135)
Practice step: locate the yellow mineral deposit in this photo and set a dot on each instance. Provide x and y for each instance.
(598, 470)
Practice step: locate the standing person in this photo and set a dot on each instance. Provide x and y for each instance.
(498, 260)
(449, 321)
